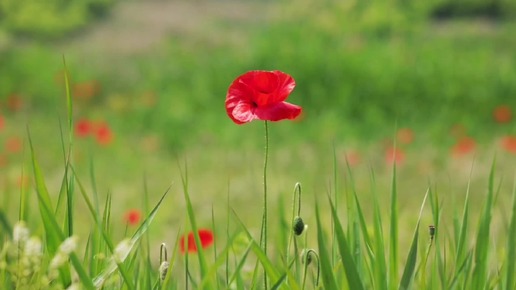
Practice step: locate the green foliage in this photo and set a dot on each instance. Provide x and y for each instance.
(52, 18)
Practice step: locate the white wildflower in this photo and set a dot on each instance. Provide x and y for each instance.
(33, 248)
(58, 260)
(69, 245)
(20, 232)
(74, 286)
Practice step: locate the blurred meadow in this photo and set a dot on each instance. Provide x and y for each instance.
(428, 85)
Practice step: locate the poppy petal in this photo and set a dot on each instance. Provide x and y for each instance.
(243, 113)
(277, 112)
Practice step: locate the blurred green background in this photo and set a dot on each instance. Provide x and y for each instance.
(156, 74)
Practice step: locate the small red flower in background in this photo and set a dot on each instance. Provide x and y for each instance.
(85, 91)
(352, 158)
(463, 146)
(103, 134)
(502, 114)
(205, 236)
(405, 136)
(133, 217)
(2, 122)
(394, 155)
(13, 145)
(509, 144)
(261, 95)
(83, 128)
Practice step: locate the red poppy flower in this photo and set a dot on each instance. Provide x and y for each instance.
(463, 146)
(509, 144)
(261, 95)
(13, 145)
(502, 114)
(205, 236)
(132, 217)
(405, 136)
(103, 134)
(394, 155)
(2, 122)
(83, 128)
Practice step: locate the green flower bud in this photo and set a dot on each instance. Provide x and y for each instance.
(298, 226)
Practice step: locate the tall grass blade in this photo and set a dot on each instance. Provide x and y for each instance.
(326, 268)
(410, 266)
(191, 215)
(267, 265)
(380, 264)
(511, 247)
(393, 234)
(482, 242)
(349, 263)
(462, 242)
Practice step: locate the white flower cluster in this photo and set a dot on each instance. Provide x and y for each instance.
(22, 257)
(61, 257)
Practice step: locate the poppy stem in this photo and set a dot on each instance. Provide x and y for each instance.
(263, 236)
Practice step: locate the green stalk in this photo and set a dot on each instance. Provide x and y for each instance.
(263, 235)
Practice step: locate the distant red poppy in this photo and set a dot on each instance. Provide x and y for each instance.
(205, 236)
(13, 145)
(103, 134)
(405, 136)
(394, 155)
(132, 217)
(463, 146)
(353, 158)
(83, 128)
(502, 114)
(2, 122)
(261, 95)
(509, 144)
(85, 91)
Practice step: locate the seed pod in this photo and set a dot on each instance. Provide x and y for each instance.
(431, 231)
(298, 226)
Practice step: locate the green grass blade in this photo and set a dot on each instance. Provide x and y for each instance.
(348, 261)
(380, 264)
(191, 215)
(6, 224)
(511, 249)
(462, 242)
(480, 274)
(69, 100)
(267, 265)
(410, 266)
(393, 235)
(325, 259)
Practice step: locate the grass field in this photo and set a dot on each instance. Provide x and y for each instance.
(149, 118)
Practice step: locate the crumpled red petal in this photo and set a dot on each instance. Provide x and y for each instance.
(278, 112)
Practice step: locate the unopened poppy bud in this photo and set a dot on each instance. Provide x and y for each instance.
(298, 226)
(306, 257)
(163, 269)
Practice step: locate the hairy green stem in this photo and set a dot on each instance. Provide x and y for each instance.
(263, 236)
